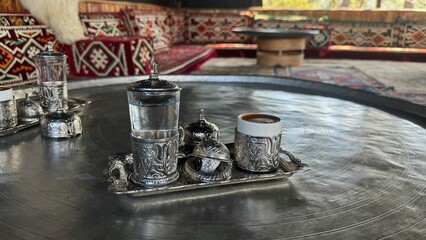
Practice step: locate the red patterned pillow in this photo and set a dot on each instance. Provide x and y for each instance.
(22, 37)
(152, 24)
(213, 28)
(104, 24)
(109, 56)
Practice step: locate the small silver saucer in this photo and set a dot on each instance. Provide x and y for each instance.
(192, 169)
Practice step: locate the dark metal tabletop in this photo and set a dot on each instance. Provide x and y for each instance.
(367, 179)
(276, 32)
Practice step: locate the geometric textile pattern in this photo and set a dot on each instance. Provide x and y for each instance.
(286, 24)
(321, 40)
(213, 28)
(18, 19)
(362, 34)
(181, 57)
(153, 24)
(177, 27)
(107, 56)
(19, 43)
(348, 77)
(413, 35)
(142, 55)
(104, 24)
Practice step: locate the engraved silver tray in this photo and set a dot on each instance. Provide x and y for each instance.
(17, 128)
(120, 170)
(73, 104)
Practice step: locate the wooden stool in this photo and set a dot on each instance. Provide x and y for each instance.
(282, 47)
(280, 51)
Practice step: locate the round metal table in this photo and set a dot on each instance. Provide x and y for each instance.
(367, 179)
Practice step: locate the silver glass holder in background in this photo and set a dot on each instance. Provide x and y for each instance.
(56, 121)
(8, 112)
(52, 80)
(60, 124)
(73, 103)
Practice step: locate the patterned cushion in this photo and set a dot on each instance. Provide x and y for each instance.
(109, 56)
(153, 24)
(213, 28)
(104, 24)
(182, 58)
(410, 34)
(362, 34)
(21, 38)
(18, 19)
(176, 21)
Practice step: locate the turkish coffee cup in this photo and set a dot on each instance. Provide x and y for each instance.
(257, 142)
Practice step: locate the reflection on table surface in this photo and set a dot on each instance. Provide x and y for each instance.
(367, 178)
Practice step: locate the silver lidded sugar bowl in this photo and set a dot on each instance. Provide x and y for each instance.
(29, 110)
(199, 131)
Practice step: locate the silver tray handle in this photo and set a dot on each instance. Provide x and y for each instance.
(117, 174)
(295, 164)
(181, 136)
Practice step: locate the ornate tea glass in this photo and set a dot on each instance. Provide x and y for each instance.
(154, 116)
(52, 81)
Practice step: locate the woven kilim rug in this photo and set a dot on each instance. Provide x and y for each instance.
(350, 77)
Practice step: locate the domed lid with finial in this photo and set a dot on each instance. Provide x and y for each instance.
(50, 56)
(212, 149)
(153, 83)
(200, 131)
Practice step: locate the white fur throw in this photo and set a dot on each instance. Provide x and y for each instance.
(60, 15)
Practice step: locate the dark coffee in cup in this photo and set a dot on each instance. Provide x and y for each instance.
(260, 118)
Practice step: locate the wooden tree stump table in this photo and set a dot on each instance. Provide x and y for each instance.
(279, 46)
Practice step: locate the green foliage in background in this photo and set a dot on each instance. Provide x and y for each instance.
(329, 4)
